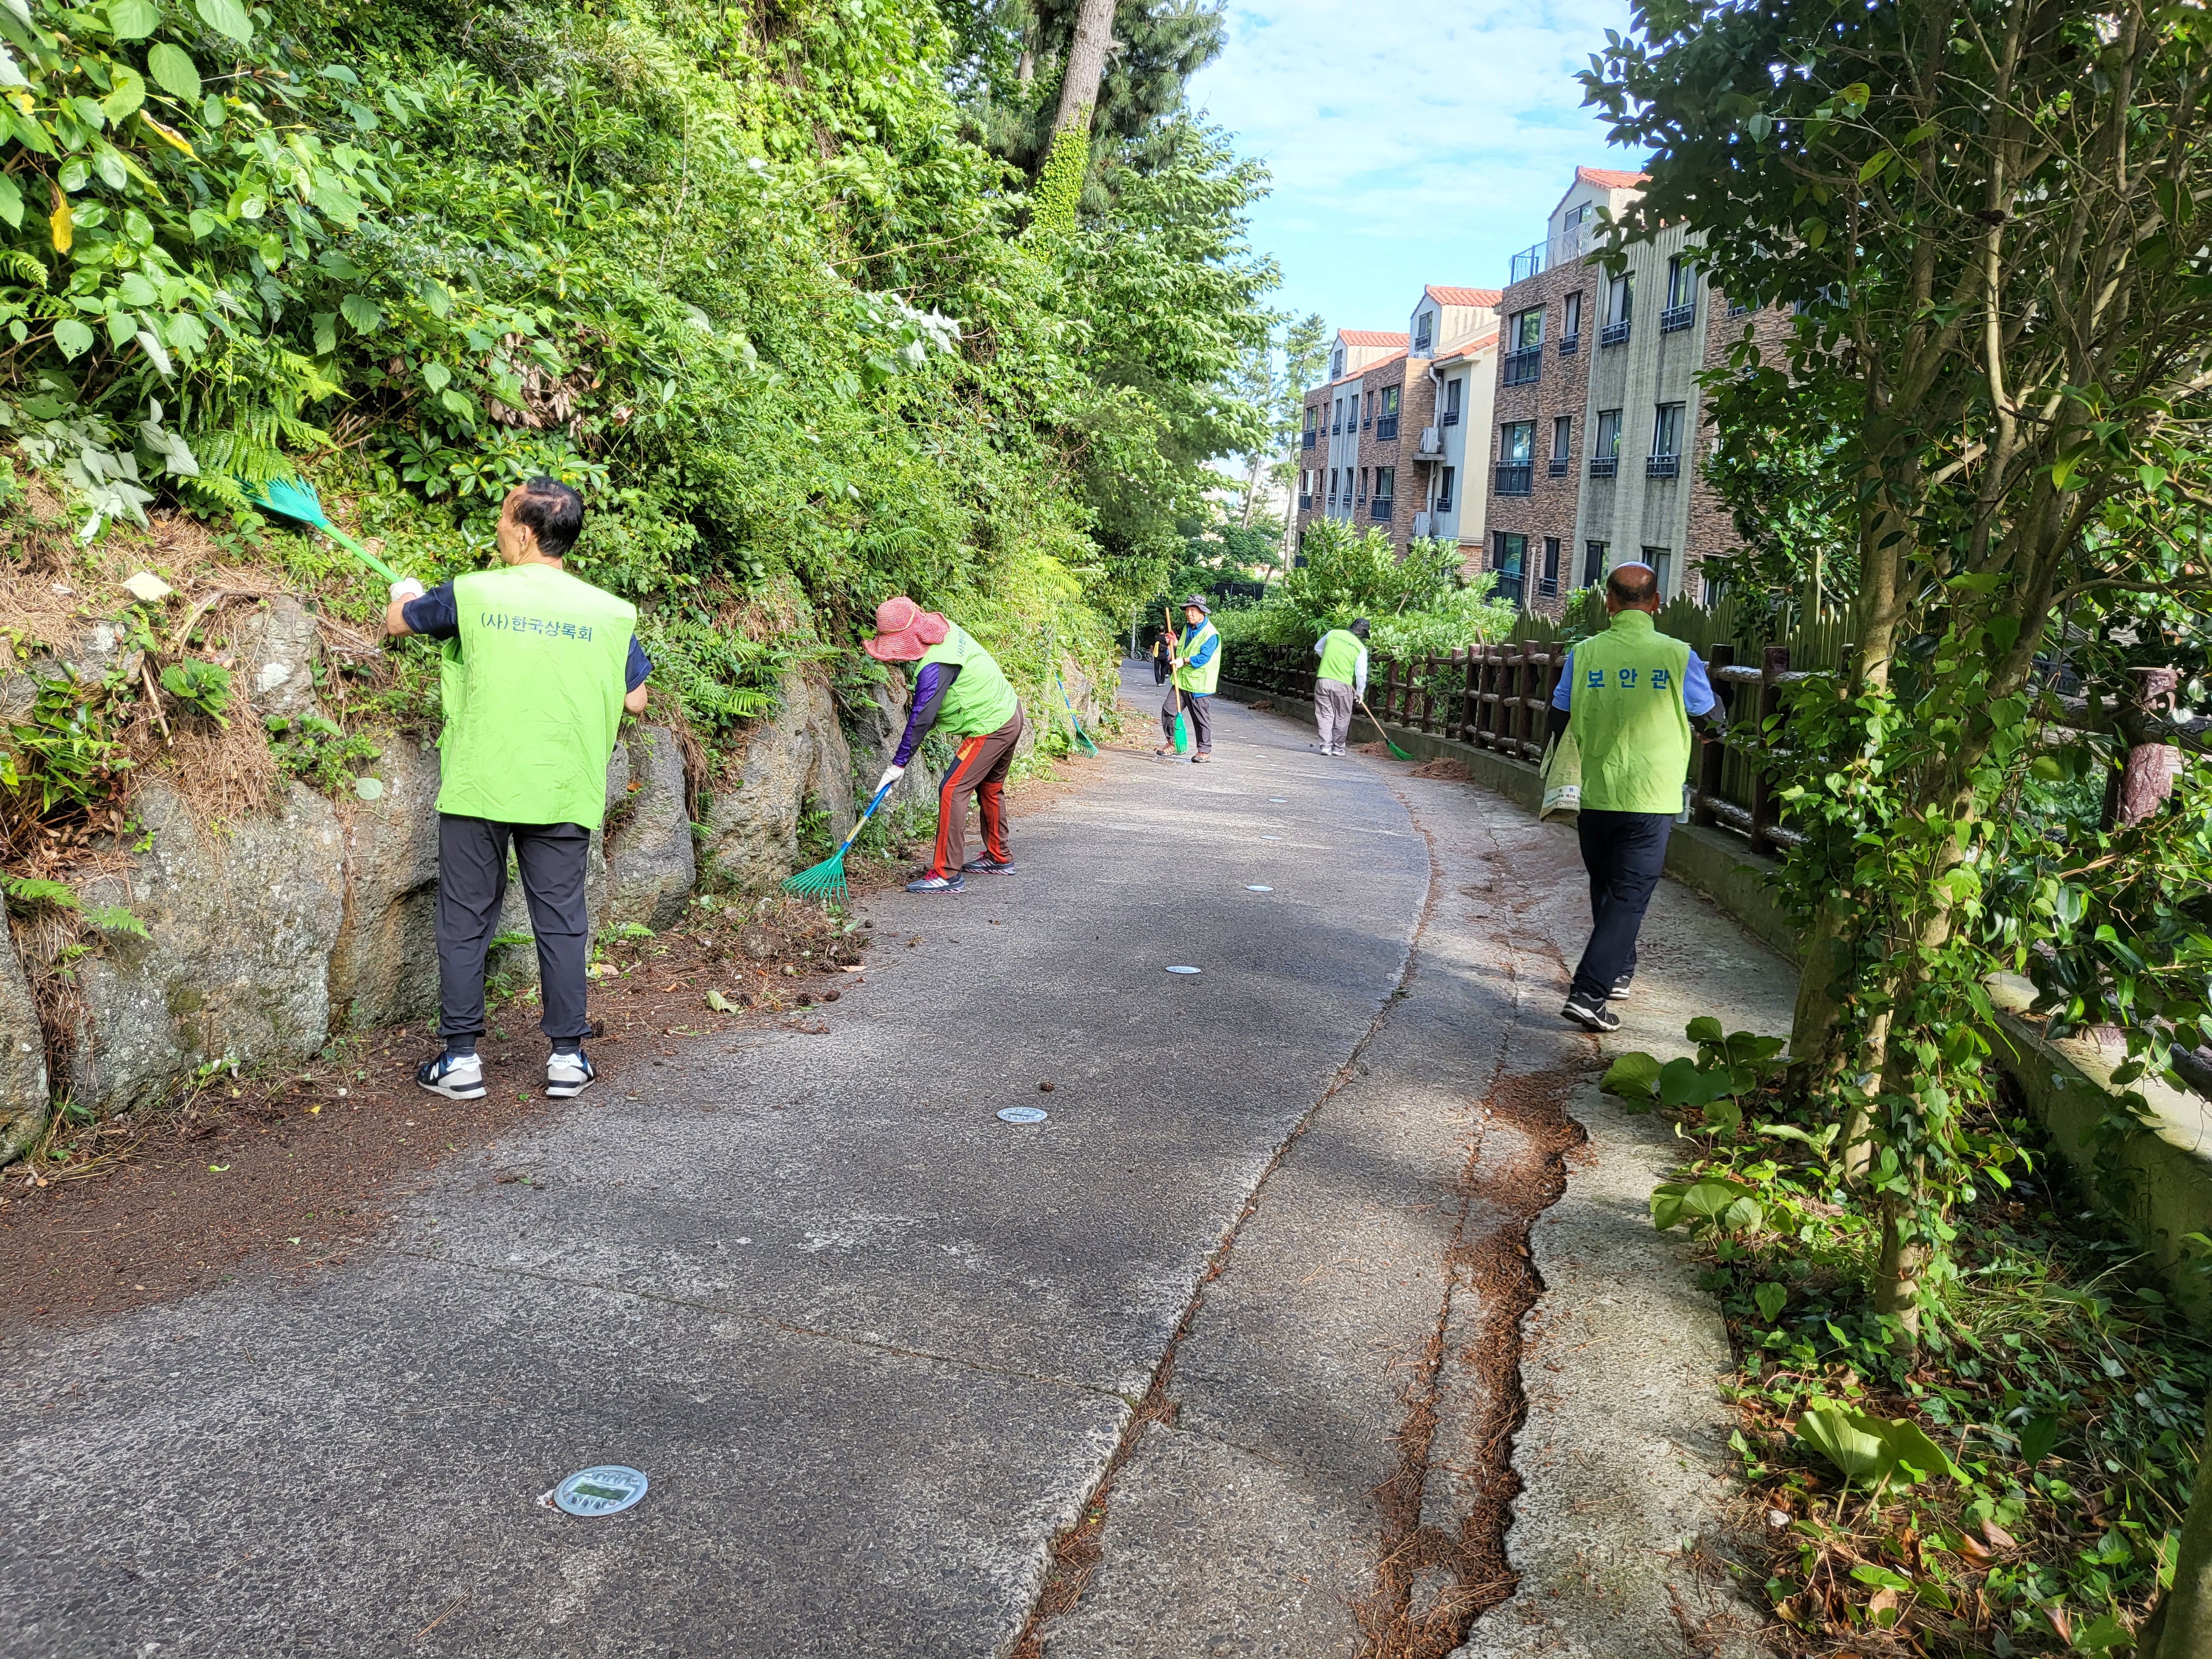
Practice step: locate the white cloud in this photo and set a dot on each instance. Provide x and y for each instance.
(1399, 133)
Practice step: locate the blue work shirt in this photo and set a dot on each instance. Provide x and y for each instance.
(1697, 690)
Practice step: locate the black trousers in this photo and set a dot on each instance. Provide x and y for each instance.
(472, 887)
(1623, 853)
(1200, 710)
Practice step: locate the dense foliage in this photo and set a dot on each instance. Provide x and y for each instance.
(1421, 603)
(743, 275)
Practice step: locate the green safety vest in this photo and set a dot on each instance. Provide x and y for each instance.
(1201, 681)
(533, 695)
(1339, 657)
(1629, 719)
(979, 700)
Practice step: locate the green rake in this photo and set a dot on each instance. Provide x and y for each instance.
(1082, 737)
(296, 498)
(1380, 733)
(1174, 690)
(826, 880)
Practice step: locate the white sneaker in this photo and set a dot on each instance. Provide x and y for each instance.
(457, 1077)
(567, 1074)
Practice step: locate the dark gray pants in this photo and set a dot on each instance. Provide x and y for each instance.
(472, 887)
(1200, 708)
(1623, 853)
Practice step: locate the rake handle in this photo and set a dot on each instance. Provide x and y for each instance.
(861, 821)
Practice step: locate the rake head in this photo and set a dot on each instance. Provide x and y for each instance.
(824, 881)
(289, 498)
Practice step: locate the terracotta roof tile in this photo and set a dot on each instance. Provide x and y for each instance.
(1607, 179)
(1464, 296)
(1471, 347)
(1370, 336)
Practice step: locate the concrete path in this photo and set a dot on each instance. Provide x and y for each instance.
(876, 1348)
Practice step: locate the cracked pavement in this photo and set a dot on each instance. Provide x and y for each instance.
(875, 1347)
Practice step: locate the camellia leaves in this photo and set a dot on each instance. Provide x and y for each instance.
(227, 17)
(172, 69)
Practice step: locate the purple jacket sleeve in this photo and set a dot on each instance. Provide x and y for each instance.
(930, 686)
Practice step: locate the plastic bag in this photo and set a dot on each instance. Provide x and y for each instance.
(1562, 771)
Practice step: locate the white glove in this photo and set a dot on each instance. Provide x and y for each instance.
(406, 588)
(892, 775)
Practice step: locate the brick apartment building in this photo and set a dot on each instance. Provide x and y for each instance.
(1374, 450)
(1598, 420)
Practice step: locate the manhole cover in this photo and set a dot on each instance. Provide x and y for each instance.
(1276, 800)
(1182, 971)
(1022, 1115)
(607, 1490)
(1259, 890)
(1271, 838)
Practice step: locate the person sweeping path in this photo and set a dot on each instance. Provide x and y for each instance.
(959, 689)
(1630, 694)
(1338, 683)
(1195, 662)
(538, 668)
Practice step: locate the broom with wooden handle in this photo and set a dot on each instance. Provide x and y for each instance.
(1174, 690)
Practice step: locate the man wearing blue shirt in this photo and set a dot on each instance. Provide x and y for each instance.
(1194, 659)
(1631, 694)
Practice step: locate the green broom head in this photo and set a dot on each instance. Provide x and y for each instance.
(1183, 733)
(1082, 742)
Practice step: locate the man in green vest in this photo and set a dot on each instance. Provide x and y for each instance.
(538, 668)
(959, 688)
(1195, 662)
(1630, 695)
(1338, 683)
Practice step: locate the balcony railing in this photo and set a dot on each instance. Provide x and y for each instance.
(1386, 429)
(1613, 333)
(1662, 467)
(1311, 435)
(1604, 466)
(1379, 507)
(1369, 421)
(1305, 503)
(1449, 417)
(1558, 468)
(1508, 587)
(1675, 318)
(1444, 505)
(1524, 367)
(1548, 586)
(1515, 478)
(1529, 262)
(1571, 344)
(1336, 428)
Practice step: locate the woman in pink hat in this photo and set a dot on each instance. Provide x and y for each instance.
(960, 688)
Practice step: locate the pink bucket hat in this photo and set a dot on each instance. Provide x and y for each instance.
(904, 630)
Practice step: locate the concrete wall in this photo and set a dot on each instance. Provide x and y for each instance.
(2159, 1181)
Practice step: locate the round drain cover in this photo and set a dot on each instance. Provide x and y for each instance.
(1182, 971)
(1259, 890)
(607, 1490)
(1276, 800)
(1271, 838)
(1022, 1115)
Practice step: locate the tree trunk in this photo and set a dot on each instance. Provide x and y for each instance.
(1086, 66)
(1897, 1280)
(2181, 1626)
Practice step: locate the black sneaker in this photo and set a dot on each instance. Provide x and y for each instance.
(988, 866)
(1600, 1018)
(936, 884)
(457, 1077)
(1620, 992)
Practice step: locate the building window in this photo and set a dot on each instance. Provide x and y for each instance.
(1508, 551)
(1681, 295)
(1666, 460)
(1619, 303)
(1445, 477)
(1662, 562)
(1386, 487)
(1313, 418)
(1593, 563)
(1563, 433)
(1528, 329)
(1386, 423)
(1332, 486)
(1515, 442)
(1548, 583)
(1363, 483)
(1605, 451)
(1367, 420)
(1336, 421)
(1423, 325)
(1451, 403)
(1570, 324)
(1336, 365)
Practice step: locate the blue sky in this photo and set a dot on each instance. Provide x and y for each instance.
(1410, 143)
